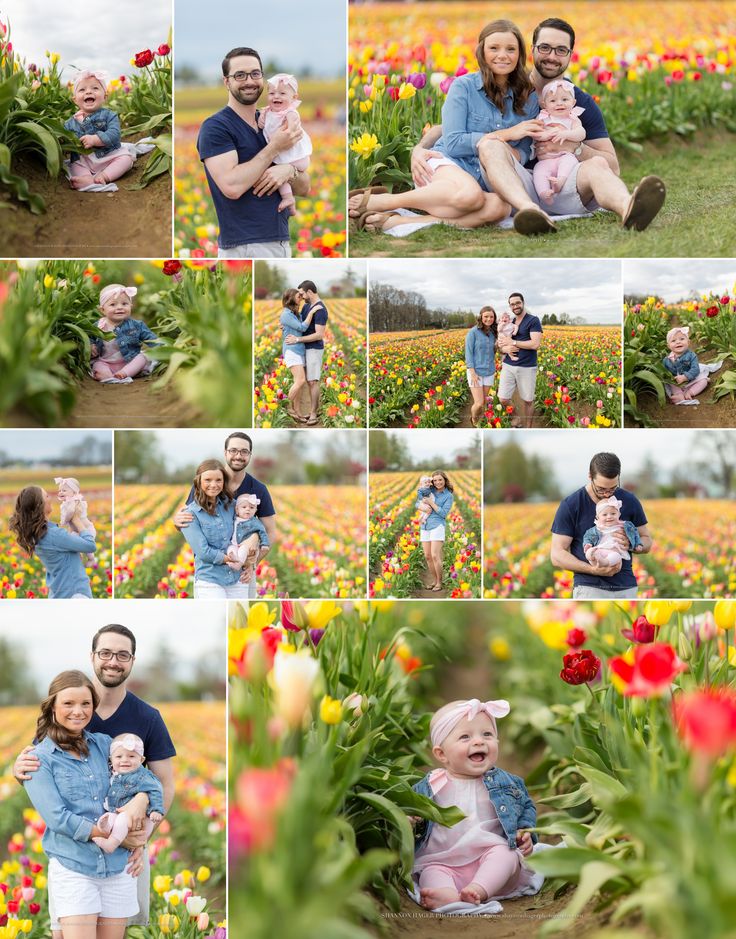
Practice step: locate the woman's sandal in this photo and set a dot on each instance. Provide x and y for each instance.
(380, 219)
(356, 221)
(436, 587)
(311, 421)
(300, 419)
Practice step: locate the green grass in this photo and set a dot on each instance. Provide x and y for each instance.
(697, 219)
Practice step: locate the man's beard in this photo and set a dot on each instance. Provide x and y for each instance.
(244, 96)
(546, 70)
(111, 680)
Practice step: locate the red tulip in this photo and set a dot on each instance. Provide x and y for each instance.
(641, 631)
(712, 311)
(580, 667)
(143, 58)
(34, 908)
(654, 668)
(163, 49)
(706, 720)
(576, 638)
(171, 267)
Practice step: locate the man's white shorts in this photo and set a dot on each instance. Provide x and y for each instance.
(77, 894)
(517, 378)
(432, 534)
(314, 363)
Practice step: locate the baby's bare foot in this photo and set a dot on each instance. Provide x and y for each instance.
(120, 374)
(474, 893)
(80, 182)
(101, 179)
(434, 897)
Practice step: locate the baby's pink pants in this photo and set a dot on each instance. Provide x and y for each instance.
(492, 871)
(113, 166)
(102, 369)
(693, 388)
(559, 167)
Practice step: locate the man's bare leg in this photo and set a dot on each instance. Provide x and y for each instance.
(527, 411)
(499, 165)
(596, 180)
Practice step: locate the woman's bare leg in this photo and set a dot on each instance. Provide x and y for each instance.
(438, 548)
(494, 209)
(296, 389)
(479, 396)
(111, 928)
(79, 927)
(427, 548)
(451, 194)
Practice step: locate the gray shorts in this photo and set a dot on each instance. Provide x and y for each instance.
(314, 364)
(595, 593)
(257, 249)
(517, 378)
(565, 202)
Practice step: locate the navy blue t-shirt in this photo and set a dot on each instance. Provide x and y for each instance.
(250, 486)
(576, 514)
(136, 717)
(248, 218)
(527, 357)
(592, 117)
(319, 319)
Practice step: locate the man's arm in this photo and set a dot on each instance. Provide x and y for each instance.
(163, 770)
(601, 147)
(277, 175)
(646, 540)
(563, 559)
(420, 171)
(534, 342)
(269, 523)
(319, 333)
(233, 178)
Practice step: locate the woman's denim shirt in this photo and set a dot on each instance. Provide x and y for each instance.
(209, 537)
(480, 352)
(130, 334)
(468, 114)
(123, 786)
(444, 500)
(105, 123)
(60, 551)
(510, 799)
(68, 794)
(686, 364)
(291, 325)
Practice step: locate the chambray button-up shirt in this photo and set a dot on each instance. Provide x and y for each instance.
(468, 114)
(60, 552)
(443, 498)
(209, 537)
(480, 352)
(68, 793)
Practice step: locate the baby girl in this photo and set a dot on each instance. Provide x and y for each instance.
(73, 506)
(425, 483)
(119, 359)
(560, 114)
(507, 327)
(282, 106)
(599, 543)
(98, 129)
(690, 378)
(482, 856)
(129, 777)
(248, 532)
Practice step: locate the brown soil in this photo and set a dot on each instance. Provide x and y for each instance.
(134, 405)
(708, 413)
(122, 224)
(305, 407)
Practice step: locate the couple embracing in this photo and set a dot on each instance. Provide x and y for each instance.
(303, 322)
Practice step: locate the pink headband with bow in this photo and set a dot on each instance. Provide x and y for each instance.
(678, 329)
(112, 290)
(604, 503)
(553, 86)
(248, 497)
(468, 710)
(286, 79)
(72, 483)
(127, 742)
(99, 74)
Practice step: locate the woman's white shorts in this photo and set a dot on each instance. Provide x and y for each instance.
(77, 894)
(432, 534)
(293, 358)
(481, 381)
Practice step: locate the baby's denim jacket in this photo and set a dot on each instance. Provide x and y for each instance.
(105, 123)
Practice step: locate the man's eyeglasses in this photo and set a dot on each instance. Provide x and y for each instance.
(603, 492)
(242, 76)
(107, 655)
(232, 451)
(560, 51)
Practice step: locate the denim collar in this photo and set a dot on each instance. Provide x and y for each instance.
(478, 84)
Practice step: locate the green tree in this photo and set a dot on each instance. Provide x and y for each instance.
(17, 685)
(138, 458)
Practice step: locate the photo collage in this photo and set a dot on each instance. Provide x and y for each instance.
(374, 374)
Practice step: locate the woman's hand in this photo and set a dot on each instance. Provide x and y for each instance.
(473, 376)
(135, 811)
(524, 842)
(531, 128)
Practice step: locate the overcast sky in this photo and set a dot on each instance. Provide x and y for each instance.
(429, 443)
(298, 269)
(34, 444)
(58, 634)
(295, 35)
(590, 289)
(101, 36)
(674, 279)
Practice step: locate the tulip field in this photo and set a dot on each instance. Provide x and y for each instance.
(318, 228)
(187, 851)
(320, 551)
(419, 380)
(636, 771)
(24, 578)
(693, 563)
(396, 557)
(343, 366)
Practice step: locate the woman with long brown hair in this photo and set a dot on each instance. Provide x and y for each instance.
(438, 499)
(209, 534)
(60, 551)
(294, 356)
(480, 359)
(497, 102)
(91, 892)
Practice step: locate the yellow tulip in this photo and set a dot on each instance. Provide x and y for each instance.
(259, 616)
(365, 145)
(162, 883)
(658, 612)
(330, 710)
(168, 923)
(203, 873)
(320, 612)
(407, 90)
(500, 648)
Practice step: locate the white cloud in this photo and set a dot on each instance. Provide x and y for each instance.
(674, 278)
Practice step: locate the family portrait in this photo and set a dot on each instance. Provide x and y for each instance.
(679, 344)
(310, 344)
(470, 797)
(548, 129)
(424, 514)
(55, 515)
(124, 343)
(86, 130)
(515, 343)
(238, 515)
(260, 134)
(565, 519)
(112, 800)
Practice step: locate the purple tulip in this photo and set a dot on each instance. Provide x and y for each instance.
(316, 635)
(445, 84)
(418, 79)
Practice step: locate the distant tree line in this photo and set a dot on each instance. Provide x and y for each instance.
(270, 281)
(391, 452)
(393, 309)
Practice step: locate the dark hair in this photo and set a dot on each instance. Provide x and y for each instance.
(607, 464)
(290, 299)
(517, 294)
(46, 725)
(308, 285)
(114, 628)
(518, 81)
(29, 519)
(241, 434)
(239, 50)
(443, 474)
(493, 328)
(207, 502)
(554, 23)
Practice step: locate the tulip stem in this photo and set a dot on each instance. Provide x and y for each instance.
(654, 756)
